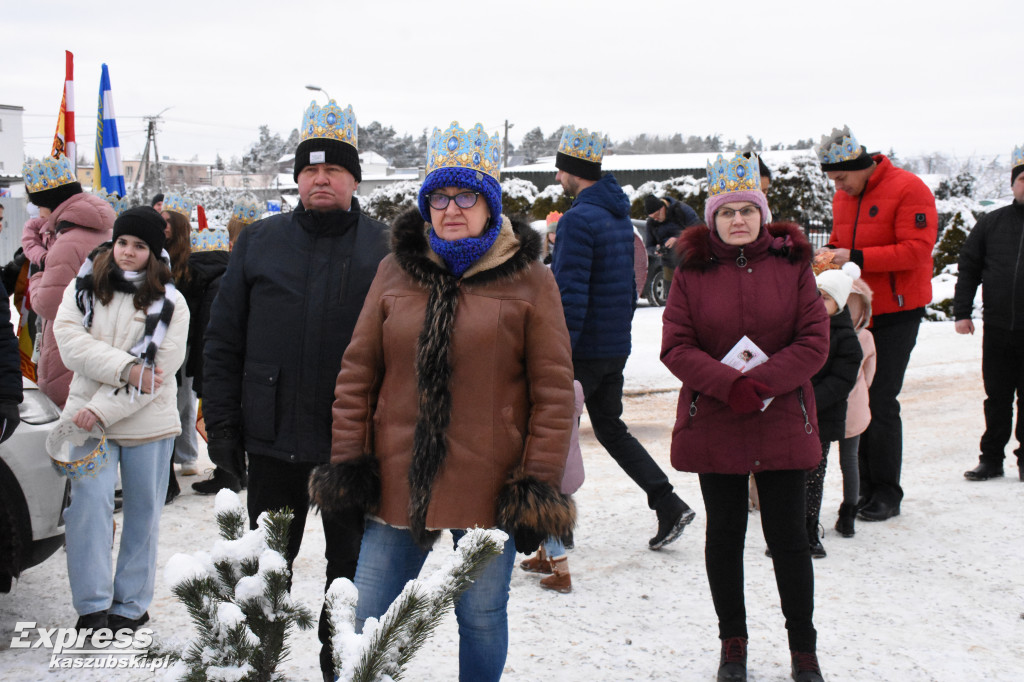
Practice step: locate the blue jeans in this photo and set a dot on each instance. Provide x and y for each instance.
(389, 558)
(554, 547)
(89, 522)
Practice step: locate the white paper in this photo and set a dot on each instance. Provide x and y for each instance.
(744, 356)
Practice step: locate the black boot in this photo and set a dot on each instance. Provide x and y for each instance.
(805, 667)
(732, 666)
(847, 520)
(984, 471)
(673, 517)
(92, 621)
(221, 478)
(817, 549)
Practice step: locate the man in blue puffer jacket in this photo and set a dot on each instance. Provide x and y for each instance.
(593, 266)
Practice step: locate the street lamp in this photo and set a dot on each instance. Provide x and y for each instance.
(505, 154)
(317, 88)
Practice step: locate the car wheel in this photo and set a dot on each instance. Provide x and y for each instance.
(657, 289)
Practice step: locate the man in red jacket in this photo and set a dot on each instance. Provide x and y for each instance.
(884, 220)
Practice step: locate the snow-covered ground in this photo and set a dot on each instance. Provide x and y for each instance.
(934, 594)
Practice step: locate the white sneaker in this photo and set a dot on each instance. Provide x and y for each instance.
(189, 469)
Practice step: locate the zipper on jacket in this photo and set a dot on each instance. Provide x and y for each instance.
(693, 405)
(856, 221)
(741, 260)
(803, 408)
(1013, 292)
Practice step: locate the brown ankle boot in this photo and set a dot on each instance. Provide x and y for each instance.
(538, 563)
(559, 580)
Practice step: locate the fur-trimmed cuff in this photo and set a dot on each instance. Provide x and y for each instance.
(527, 502)
(341, 486)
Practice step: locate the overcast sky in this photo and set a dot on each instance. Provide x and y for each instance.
(910, 76)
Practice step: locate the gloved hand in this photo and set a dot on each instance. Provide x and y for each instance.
(747, 395)
(527, 539)
(9, 419)
(226, 451)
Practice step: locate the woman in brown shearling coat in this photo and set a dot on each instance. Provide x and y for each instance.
(454, 405)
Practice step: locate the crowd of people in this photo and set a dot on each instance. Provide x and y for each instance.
(429, 375)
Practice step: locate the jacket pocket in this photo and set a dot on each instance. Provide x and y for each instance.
(259, 400)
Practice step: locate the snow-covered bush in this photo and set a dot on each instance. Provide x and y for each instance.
(387, 201)
(517, 196)
(551, 198)
(684, 188)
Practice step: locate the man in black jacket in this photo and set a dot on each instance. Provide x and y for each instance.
(287, 305)
(666, 220)
(993, 255)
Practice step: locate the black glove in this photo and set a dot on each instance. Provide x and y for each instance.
(9, 419)
(226, 451)
(528, 539)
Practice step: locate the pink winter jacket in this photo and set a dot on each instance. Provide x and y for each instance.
(84, 222)
(36, 237)
(858, 413)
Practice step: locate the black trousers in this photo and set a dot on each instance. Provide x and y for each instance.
(881, 446)
(275, 484)
(602, 392)
(1002, 369)
(782, 497)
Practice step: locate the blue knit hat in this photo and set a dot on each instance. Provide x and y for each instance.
(467, 159)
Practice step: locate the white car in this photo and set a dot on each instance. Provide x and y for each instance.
(33, 494)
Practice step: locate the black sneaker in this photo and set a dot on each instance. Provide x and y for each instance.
(732, 665)
(673, 518)
(220, 479)
(92, 621)
(118, 622)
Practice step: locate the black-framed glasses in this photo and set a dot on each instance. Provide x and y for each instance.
(439, 202)
(746, 212)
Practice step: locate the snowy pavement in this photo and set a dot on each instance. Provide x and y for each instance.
(936, 594)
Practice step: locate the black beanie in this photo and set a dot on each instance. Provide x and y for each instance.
(652, 204)
(52, 198)
(326, 150)
(588, 170)
(1015, 172)
(146, 224)
(157, 198)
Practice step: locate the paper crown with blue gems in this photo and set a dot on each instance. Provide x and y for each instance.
(178, 204)
(840, 150)
(580, 144)
(210, 240)
(119, 204)
(1018, 157)
(48, 173)
(738, 174)
(247, 211)
(458, 148)
(330, 122)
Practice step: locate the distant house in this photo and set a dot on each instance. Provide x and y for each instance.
(12, 155)
(173, 173)
(376, 171)
(636, 169)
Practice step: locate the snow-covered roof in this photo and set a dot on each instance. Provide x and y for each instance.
(640, 162)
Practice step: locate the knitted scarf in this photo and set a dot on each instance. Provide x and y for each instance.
(460, 254)
(158, 314)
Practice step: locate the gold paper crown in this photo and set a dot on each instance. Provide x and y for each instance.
(579, 143)
(119, 204)
(48, 173)
(739, 174)
(247, 211)
(210, 240)
(838, 146)
(1018, 157)
(178, 204)
(458, 148)
(330, 121)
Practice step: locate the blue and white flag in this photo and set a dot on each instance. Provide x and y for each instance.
(108, 172)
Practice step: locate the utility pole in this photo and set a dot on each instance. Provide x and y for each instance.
(508, 125)
(151, 122)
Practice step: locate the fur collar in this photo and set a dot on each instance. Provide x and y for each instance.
(784, 239)
(516, 247)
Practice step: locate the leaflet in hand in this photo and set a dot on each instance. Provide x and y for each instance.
(744, 356)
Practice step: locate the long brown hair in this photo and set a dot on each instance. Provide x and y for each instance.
(149, 290)
(179, 246)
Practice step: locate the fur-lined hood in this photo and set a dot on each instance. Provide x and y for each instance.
(516, 246)
(698, 248)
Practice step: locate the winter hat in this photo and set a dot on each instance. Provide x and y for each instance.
(580, 153)
(146, 224)
(652, 204)
(468, 159)
(329, 134)
(1017, 164)
(837, 283)
(175, 203)
(840, 151)
(735, 180)
(50, 182)
(157, 198)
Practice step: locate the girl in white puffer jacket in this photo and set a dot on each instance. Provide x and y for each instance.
(122, 329)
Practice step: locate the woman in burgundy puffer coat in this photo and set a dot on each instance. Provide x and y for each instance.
(745, 279)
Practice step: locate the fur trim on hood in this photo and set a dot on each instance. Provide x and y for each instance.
(695, 252)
